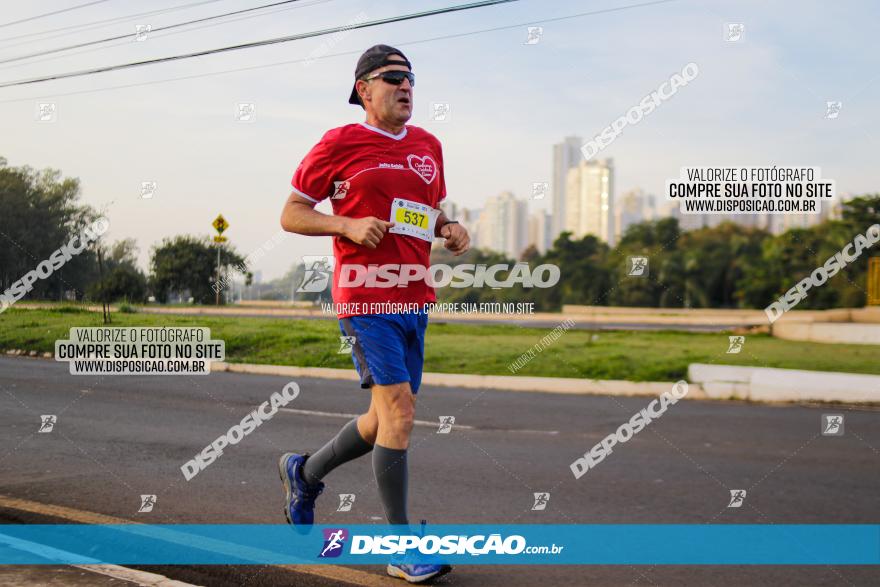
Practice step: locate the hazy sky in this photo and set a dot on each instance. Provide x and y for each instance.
(757, 102)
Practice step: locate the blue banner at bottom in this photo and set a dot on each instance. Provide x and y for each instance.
(532, 544)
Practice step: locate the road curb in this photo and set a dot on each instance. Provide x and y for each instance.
(764, 384)
(342, 575)
(705, 382)
(497, 382)
(755, 384)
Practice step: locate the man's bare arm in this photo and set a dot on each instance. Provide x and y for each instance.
(299, 216)
(457, 239)
(442, 219)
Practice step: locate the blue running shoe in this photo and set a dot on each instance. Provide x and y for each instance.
(416, 573)
(299, 498)
(416, 567)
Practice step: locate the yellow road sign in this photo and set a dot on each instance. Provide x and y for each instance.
(874, 281)
(220, 224)
(220, 239)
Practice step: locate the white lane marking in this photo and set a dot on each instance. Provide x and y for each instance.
(41, 550)
(135, 576)
(350, 416)
(340, 574)
(417, 422)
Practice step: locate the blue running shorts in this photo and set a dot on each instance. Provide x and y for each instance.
(388, 348)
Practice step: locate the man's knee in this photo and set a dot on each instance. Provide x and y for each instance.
(399, 408)
(368, 426)
(401, 415)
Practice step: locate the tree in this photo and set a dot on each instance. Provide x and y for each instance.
(122, 252)
(451, 294)
(584, 274)
(715, 263)
(189, 263)
(123, 282)
(529, 254)
(41, 212)
(861, 212)
(787, 258)
(656, 241)
(122, 279)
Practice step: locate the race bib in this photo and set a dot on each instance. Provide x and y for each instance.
(413, 219)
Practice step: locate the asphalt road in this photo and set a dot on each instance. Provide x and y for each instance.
(119, 437)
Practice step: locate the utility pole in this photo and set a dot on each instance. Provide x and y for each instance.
(105, 309)
(217, 282)
(220, 225)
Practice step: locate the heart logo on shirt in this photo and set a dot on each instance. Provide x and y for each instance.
(424, 166)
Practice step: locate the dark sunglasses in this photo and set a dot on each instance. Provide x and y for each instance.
(395, 77)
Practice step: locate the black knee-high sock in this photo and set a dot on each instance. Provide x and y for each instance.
(348, 444)
(389, 467)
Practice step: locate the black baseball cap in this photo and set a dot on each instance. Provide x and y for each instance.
(374, 58)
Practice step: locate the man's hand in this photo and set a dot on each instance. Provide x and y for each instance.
(457, 239)
(366, 231)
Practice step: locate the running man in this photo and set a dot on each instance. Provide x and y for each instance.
(385, 182)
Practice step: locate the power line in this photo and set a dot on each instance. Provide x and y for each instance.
(339, 54)
(254, 44)
(306, 4)
(100, 23)
(152, 30)
(30, 18)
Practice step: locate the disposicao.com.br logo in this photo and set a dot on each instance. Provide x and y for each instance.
(431, 544)
(334, 542)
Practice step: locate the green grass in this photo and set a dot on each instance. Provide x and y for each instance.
(462, 348)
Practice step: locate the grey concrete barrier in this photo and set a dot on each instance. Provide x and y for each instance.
(784, 385)
(828, 332)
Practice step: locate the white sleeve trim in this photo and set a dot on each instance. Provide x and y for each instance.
(306, 196)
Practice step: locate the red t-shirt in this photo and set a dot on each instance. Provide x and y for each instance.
(362, 169)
